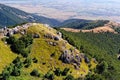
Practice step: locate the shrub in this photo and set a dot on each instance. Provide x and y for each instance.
(69, 77)
(18, 46)
(65, 71)
(25, 53)
(49, 76)
(17, 59)
(5, 74)
(53, 54)
(57, 72)
(16, 71)
(11, 40)
(27, 39)
(19, 65)
(27, 62)
(35, 73)
(35, 60)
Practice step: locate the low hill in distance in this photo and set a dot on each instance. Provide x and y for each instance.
(112, 27)
(83, 24)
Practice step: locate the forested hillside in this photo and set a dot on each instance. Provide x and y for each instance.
(83, 24)
(102, 46)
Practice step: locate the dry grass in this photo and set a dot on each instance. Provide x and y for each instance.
(6, 56)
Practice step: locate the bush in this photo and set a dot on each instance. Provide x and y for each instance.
(65, 71)
(35, 60)
(25, 53)
(5, 74)
(57, 72)
(49, 76)
(16, 60)
(69, 77)
(11, 40)
(27, 62)
(17, 63)
(35, 73)
(53, 54)
(27, 39)
(16, 71)
(18, 46)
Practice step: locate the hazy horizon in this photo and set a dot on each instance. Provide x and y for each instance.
(67, 9)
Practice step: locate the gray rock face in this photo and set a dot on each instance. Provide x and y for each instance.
(68, 57)
(50, 36)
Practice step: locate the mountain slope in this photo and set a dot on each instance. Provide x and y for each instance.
(10, 16)
(111, 26)
(6, 56)
(103, 46)
(48, 53)
(83, 24)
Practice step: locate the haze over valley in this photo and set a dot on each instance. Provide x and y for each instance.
(67, 9)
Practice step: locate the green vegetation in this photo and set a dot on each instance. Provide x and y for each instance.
(20, 45)
(83, 24)
(69, 77)
(35, 73)
(14, 69)
(42, 59)
(104, 47)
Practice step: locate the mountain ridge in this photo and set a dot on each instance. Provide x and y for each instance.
(13, 16)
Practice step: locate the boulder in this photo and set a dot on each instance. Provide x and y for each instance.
(56, 38)
(52, 43)
(49, 36)
(78, 58)
(36, 35)
(86, 59)
(55, 44)
(66, 57)
(59, 34)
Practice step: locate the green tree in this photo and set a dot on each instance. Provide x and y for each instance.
(18, 46)
(27, 39)
(16, 71)
(11, 40)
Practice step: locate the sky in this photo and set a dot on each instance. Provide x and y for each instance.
(66, 9)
